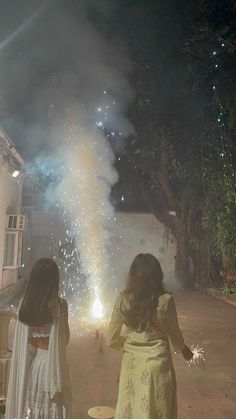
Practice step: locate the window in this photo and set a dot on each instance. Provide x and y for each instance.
(12, 221)
(12, 251)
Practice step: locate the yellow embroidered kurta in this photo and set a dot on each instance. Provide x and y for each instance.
(147, 388)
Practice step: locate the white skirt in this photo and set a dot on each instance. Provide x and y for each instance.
(38, 404)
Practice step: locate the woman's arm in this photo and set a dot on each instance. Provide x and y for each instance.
(65, 320)
(114, 339)
(174, 331)
(187, 353)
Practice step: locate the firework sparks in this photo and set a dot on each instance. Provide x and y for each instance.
(84, 194)
(97, 308)
(199, 356)
(81, 182)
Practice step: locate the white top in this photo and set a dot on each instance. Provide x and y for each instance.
(40, 331)
(57, 375)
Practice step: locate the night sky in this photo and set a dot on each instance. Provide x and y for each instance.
(67, 52)
(48, 49)
(54, 45)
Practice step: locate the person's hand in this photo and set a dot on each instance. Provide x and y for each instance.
(187, 353)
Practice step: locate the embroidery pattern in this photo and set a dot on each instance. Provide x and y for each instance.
(130, 387)
(145, 377)
(144, 404)
(128, 412)
(131, 363)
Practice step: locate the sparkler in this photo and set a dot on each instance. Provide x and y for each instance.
(199, 355)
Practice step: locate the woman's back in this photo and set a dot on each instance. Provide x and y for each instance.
(147, 386)
(39, 383)
(165, 325)
(152, 333)
(39, 335)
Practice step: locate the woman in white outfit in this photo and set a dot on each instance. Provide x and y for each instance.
(39, 386)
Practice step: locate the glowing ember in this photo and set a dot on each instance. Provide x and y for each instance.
(97, 309)
(199, 355)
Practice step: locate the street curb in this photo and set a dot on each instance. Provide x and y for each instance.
(211, 291)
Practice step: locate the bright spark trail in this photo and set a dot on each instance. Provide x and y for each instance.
(24, 25)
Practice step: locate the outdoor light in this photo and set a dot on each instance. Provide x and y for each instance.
(15, 173)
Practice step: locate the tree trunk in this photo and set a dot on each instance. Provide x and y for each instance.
(208, 267)
(202, 265)
(183, 266)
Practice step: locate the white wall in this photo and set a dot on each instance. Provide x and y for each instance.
(38, 243)
(140, 233)
(9, 202)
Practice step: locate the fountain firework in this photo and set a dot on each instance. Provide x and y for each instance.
(83, 194)
(77, 105)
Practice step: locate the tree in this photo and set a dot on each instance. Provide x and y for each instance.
(184, 115)
(168, 115)
(212, 49)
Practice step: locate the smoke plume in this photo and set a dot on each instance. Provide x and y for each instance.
(64, 93)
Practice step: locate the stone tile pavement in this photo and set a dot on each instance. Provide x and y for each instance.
(208, 393)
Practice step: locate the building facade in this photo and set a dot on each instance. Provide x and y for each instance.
(12, 222)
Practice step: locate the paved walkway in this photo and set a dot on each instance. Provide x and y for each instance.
(202, 394)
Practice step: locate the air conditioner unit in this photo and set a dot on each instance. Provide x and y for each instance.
(15, 222)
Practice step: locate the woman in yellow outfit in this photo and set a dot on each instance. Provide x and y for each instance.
(147, 388)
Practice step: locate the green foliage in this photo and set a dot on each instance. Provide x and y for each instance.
(220, 216)
(214, 42)
(229, 288)
(179, 138)
(212, 52)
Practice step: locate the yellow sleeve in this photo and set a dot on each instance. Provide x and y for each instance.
(114, 339)
(174, 331)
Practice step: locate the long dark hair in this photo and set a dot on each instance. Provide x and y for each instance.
(143, 288)
(39, 302)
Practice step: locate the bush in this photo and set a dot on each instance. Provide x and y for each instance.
(229, 288)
